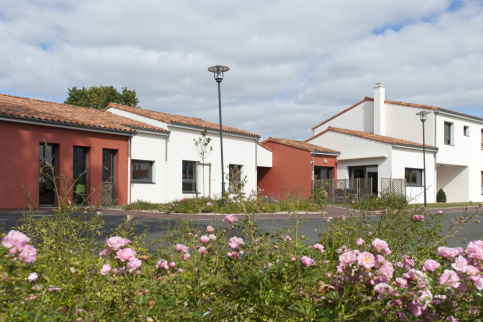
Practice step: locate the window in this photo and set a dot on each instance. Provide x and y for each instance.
(482, 139)
(47, 165)
(448, 133)
(413, 177)
(235, 177)
(466, 130)
(322, 173)
(80, 175)
(189, 177)
(482, 182)
(142, 171)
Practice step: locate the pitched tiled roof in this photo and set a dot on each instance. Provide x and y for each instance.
(300, 145)
(372, 136)
(428, 107)
(177, 119)
(265, 147)
(27, 109)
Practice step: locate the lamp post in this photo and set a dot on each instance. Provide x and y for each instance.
(423, 115)
(218, 71)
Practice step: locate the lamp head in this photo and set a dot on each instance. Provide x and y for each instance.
(423, 115)
(218, 71)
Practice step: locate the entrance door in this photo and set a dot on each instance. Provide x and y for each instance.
(108, 177)
(80, 175)
(47, 174)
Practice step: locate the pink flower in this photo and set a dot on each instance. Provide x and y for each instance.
(180, 270)
(15, 241)
(28, 254)
(307, 261)
(329, 219)
(231, 219)
(460, 264)
(366, 260)
(106, 269)
(287, 238)
(104, 252)
(347, 258)
(446, 252)
(212, 237)
(33, 277)
(319, 247)
(117, 242)
(172, 264)
(478, 282)
(162, 264)
(235, 242)
(202, 250)
(181, 248)
(186, 256)
(359, 241)
(380, 245)
(125, 254)
(430, 265)
(204, 239)
(134, 263)
(439, 211)
(386, 270)
(379, 259)
(401, 282)
(383, 288)
(293, 259)
(450, 279)
(210, 229)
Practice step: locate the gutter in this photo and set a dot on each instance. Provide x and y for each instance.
(225, 132)
(129, 169)
(313, 171)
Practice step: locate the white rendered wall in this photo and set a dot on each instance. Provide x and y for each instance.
(403, 158)
(359, 118)
(237, 150)
(150, 147)
(264, 157)
(355, 151)
(139, 118)
(403, 123)
(454, 181)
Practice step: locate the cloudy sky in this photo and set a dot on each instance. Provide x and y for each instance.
(292, 63)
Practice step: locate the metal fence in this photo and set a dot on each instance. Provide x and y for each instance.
(344, 190)
(393, 186)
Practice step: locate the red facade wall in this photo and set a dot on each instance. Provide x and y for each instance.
(19, 161)
(291, 170)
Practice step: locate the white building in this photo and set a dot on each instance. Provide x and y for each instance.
(385, 137)
(166, 167)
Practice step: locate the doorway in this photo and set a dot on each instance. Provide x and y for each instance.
(47, 165)
(108, 177)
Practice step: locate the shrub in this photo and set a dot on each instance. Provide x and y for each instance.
(441, 196)
(385, 201)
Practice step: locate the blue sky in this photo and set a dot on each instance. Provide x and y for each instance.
(292, 63)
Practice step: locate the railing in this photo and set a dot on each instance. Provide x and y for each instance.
(344, 190)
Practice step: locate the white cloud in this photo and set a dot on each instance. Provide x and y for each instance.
(292, 63)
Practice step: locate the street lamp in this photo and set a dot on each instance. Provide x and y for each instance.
(423, 115)
(218, 71)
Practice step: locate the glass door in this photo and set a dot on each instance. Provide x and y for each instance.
(108, 177)
(80, 175)
(47, 174)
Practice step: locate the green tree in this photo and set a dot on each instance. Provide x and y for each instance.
(100, 96)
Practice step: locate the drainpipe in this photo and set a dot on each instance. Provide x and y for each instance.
(313, 171)
(166, 165)
(256, 164)
(129, 169)
(435, 158)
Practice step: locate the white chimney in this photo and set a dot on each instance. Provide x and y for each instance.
(379, 110)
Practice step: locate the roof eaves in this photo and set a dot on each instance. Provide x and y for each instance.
(225, 131)
(451, 112)
(342, 112)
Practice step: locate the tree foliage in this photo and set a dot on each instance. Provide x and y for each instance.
(99, 97)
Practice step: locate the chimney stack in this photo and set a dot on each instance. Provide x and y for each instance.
(379, 109)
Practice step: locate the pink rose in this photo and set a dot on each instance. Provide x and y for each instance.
(204, 239)
(210, 229)
(359, 241)
(125, 254)
(15, 241)
(329, 219)
(235, 242)
(366, 260)
(134, 263)
(162, 264)
(104, 252)
(186, 256)
(287, 238)
(33, 277)
(202, 250)
(319, 247)
(347, 258)
(212, 237)
(293, 259)
(28, 254)
(386, 270)
(446, 252)
(307, 261)
(450, 279)
(430, 265)
(181, 248)
(383, 288)
(106, 269)
(460, 264)
(117, 242)
(380, 245)
(231, 219)
(172, 264)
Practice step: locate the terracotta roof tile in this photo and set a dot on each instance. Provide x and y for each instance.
(300, 145)
(177, 119)
(64, 114)
(372, 136)
(265, 147)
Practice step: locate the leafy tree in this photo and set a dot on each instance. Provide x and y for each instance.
(100, 96)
